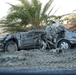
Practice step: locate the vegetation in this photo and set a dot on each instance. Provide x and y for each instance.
(26, 13)
(72, 22)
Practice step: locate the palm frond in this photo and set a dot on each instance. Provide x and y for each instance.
(47, 6)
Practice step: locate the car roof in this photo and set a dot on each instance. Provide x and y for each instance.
(37, 31)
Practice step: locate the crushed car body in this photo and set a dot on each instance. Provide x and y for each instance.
(66, 38)
(62, 38)
(54, 36)
(26, 40)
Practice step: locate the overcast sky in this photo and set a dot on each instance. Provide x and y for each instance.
(65, 6)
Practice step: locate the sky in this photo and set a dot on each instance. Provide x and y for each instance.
(63, 6)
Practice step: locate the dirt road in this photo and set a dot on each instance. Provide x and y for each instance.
(38, 60)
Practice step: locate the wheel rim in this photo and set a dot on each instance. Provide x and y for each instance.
(64, 45)
(12, 48)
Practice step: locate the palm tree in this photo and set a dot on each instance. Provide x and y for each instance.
(26, 13)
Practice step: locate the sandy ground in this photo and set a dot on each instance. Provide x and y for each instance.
(39, 60)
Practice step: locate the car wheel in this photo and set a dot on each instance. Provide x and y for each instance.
(11, 46)
(64, 44)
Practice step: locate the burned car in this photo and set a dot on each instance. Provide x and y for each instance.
(26, 40)
(65, 38)
(62, 38)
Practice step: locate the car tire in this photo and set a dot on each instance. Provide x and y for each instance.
(64, 44)
(11, 46)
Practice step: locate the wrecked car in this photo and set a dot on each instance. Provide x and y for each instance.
(64, 38)
(33, 39)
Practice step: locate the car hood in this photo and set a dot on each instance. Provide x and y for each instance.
(2, 38)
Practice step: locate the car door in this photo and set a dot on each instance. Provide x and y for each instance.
(27, 39)
(33, 38)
